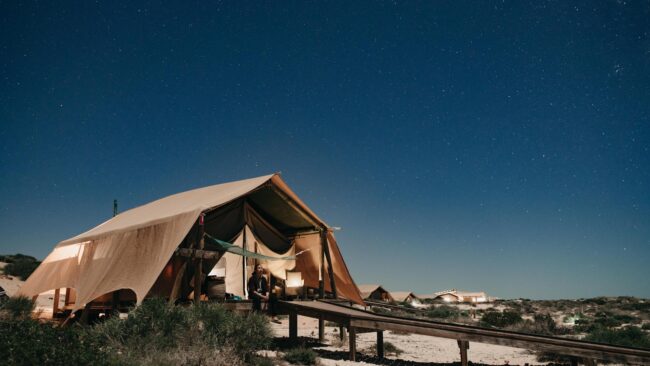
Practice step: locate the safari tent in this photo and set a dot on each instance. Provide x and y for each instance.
(374, 292)
(403, 296)
(159, 248)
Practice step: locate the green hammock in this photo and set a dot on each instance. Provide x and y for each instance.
(231, 248)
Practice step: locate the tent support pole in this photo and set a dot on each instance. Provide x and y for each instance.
(326, 249)
(198, 269)
(55, 303)
(115, 302)
(245, 263)
(321, 279)
(177, 283)
(83, 319)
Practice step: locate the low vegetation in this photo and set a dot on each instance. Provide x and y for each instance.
(19, 265)
(301, 356)
(497, 319)
(628, 336)
(154, 333)
(612, 320)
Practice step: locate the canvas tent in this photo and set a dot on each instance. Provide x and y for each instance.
(374, 292)
(402, 296)
(136, 249)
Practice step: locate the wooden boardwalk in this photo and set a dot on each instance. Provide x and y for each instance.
(363, 321)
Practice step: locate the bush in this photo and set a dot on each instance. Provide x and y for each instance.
(155, 327)
(442, 312)
(629, 336)
(645, 326)
(17, 307)
(542, 324)
(500, 320)
(301, 356)
(154, 333)
(27, 342)
(22, 267)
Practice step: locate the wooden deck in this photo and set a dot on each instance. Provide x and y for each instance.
(363, 321)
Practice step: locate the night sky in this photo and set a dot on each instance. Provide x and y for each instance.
(481, 146)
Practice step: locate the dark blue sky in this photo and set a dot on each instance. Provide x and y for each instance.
(483, 146)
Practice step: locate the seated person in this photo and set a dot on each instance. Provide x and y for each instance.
(258, 288)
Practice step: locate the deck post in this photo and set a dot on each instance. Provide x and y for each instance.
(293, 326)
(353, 343)
(464, 346)
(342, 334)
(321, 329)
(55, 305)
(380, 344)
(198, 269)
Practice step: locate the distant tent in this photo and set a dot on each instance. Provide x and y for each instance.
(403, 296)
(374, 292)
(138, 249)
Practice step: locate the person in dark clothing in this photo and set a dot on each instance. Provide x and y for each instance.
(258, 288)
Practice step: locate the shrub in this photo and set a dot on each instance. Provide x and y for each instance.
(260, 361)
(645, 326)
(22, 267)
(157, 327)
(442, 312)
(27, 342)
(301, 356)
(500, 320)
(629, 336)
(17, 307)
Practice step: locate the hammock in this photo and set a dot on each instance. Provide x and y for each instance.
(231, 248)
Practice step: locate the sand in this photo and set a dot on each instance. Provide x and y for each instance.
(416, 348)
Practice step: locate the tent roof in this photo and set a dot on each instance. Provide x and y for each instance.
(400, 296)
(368, 289)
(274, 200)
(130, 250)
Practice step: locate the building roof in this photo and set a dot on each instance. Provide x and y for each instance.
(459, 294)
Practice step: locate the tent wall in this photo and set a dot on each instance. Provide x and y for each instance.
(131, 259)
